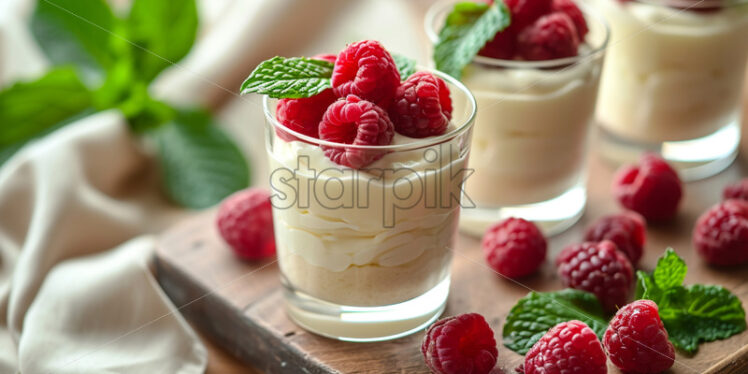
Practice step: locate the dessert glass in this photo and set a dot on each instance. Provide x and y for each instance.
(672, 82)
(530, 137)
(365, 254)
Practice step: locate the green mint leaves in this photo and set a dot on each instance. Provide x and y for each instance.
(538, 312)
(291, 78)
(28, 109)
(200, 163)
(693, 314)
(466, 30)
(109, 63)
(406, 66)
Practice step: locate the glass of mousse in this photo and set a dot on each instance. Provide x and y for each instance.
(365, 232)
(672, 82)
(536, 100)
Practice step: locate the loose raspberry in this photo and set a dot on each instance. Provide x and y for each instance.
(737, 190)
(525, 12)
(598, 268)
(721, 234)
(550, 37)
(651, 188)
(569, 347)
(245, 221)
(303, 115)
(358, 122)
(626, 230)
(461, 344)
(367, 70)
(571, 9)
(422, 106)
(636, 340)
(514, 247)
(502, 46)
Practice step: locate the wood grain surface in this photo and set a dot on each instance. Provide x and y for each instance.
(239, 305)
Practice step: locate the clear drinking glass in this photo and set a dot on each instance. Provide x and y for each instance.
(530, 140)
(365, 254)
(673, 80)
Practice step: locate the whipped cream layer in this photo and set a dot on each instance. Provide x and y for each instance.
(337, 218)
(671, 74)
(530, 133)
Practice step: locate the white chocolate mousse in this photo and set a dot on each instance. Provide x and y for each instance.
(672, 74)
(530, 132)
(372, 237)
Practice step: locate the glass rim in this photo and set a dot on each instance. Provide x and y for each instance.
(438, 8)
(416, 144)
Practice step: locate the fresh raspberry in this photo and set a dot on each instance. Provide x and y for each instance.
(737, 190)
(422, 106)
(502, 46)
(303, 115)
(626, 230)
(721, 233)
(571, 9)
(598, 268)
(367, 70)
(651, 188)
(550, 37)
(569, 347)
(514, 247)
(525, 12)
(636, 340)
(245, 221)
(358, 122)
(461, 344)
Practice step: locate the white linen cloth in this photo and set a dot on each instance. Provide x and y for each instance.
(79, 209)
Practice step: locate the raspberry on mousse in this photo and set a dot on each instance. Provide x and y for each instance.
(462, 344)
(551, 37)
(358, 122)
(422, 106)
(367, 70)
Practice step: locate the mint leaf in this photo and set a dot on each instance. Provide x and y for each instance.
(405, 65)
(199, 162)
(702, 314)
(538, 312)
(75, 32)
(670, 271)
(467, 29)
(292, 78)
(27, 109)
(693, 314)
(165, 29)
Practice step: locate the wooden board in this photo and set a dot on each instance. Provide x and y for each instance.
(239, 305)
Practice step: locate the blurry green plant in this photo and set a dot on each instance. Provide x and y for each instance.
(102, 61)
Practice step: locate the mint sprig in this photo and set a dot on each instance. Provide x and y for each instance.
(538, 312)
(105, 60)
(466, 30)
(289, 78)
(692, 314)
(406, 66)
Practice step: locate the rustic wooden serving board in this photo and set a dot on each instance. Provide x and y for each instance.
(240, 305)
